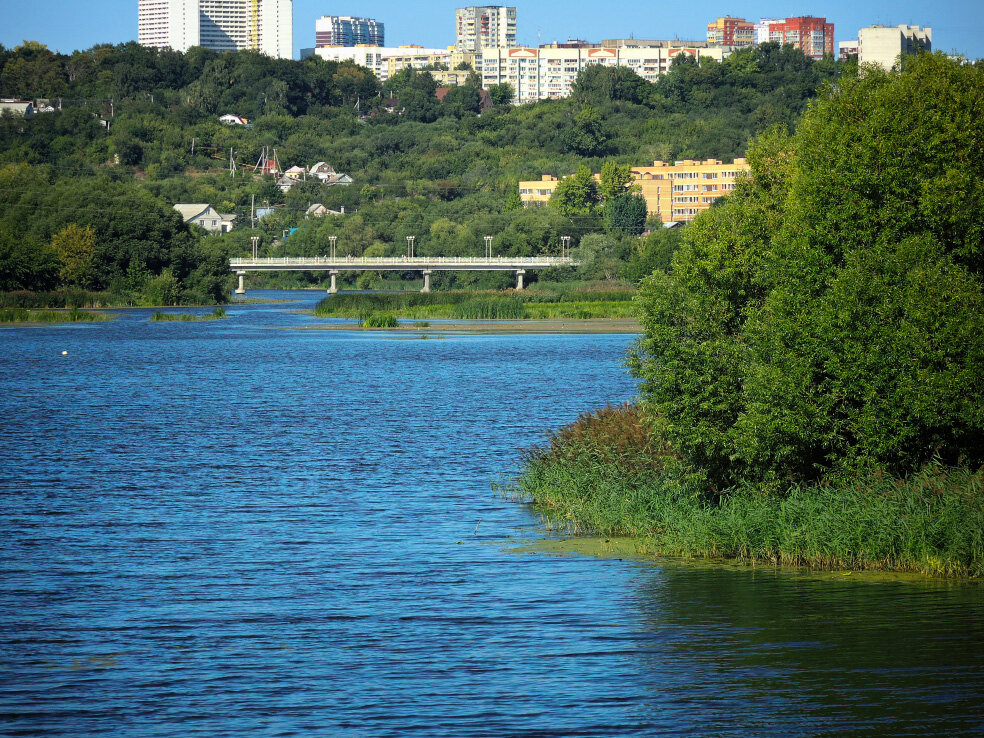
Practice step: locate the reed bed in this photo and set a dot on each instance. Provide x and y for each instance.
(161, 316)
(24, 315)
(608, 474)
(485, 305)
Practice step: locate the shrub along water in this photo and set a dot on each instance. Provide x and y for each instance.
(23, 315)
(608, 473)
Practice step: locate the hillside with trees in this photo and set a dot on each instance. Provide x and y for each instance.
(137, 130)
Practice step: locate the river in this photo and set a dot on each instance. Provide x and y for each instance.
(243, 527)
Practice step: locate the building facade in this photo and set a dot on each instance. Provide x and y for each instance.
(814, 36)
(346, 30)
(221, 25)
(728, 31)
(883, 45)
(482, 27)
(676, 192)
(549, 72)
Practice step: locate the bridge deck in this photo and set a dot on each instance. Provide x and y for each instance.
(399, 263)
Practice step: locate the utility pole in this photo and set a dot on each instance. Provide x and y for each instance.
(252, 211)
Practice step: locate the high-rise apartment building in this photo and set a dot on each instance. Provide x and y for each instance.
(814, 36)
(730, 31)
(482, 27)
(221, 25)
(347, 30)
(883, 45)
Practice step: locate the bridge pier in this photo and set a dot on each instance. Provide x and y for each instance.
(333, 289)
(241, 289)
(427, 280)
(519, 278)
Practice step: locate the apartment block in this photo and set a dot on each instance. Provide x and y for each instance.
(549, 72)
(220, 25)
(680, 191)
(487, 26)
(814, 36)
(883, 45)
(347, 30)
(385, 61)
(728, 31)
(675, 192)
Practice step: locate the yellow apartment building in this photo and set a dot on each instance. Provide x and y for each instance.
(679, 191)
(537, 191)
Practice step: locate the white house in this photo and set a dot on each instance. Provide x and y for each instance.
(206, 216)
(233, 120)
(21, 108)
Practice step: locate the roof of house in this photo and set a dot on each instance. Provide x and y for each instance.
(191, 210)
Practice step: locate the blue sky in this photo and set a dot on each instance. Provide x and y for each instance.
(958, 25)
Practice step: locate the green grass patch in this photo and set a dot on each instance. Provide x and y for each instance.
(609, 474)
(24, 315)
(484, 305)
(378, 321)
(160, 316)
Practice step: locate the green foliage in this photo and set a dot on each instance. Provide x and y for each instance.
(378, 321)
(576, 194)
(502, 94)
(626, 214)
(827, 318)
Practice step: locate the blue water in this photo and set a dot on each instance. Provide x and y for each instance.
(244, 527)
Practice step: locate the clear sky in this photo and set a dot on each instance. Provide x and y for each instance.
(958, 25)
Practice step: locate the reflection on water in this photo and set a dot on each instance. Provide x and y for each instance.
(224, 528)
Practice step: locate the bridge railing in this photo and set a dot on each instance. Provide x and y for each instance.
(410, 261)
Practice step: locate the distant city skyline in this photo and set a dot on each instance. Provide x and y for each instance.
(958, 25)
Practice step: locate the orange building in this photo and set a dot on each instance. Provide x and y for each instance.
(815, 36)
(728, 31)
(678, 192)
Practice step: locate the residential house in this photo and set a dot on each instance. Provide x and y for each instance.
(204, 215)
(317, 210)
(20, 108)
(327, 174)
(233, 120)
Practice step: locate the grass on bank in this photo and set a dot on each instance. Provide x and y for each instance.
(161, 316)
(24, 315)
(607, 474)
(474, 305)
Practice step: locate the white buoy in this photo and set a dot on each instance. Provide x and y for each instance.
(64, 353)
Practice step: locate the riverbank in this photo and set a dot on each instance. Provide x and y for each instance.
(23, 315)
(608, 474)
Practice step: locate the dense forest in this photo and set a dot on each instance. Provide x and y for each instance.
(87, 190)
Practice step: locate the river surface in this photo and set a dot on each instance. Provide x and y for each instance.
(235, 528)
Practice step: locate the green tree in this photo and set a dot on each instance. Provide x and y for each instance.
(576, 194)
(502, 93)
(829, 317)
(586, 136)
(76, 249)
(626, 214)
(614, 180)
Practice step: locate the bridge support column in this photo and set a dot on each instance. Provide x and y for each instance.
(333, 288)
(241, 289)
(519, 278)
(427, 280)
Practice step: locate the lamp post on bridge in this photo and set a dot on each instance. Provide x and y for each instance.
(256, 246)
(410, 246)
(565, 246)
(331, 241)
(488, 247)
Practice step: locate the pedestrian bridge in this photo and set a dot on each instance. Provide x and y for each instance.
(425, 264)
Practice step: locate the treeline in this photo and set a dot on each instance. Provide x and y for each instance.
(146, 120)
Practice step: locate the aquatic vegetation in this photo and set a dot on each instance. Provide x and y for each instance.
(161, 316)
(378, 321)
(24, 315)
(610, 473)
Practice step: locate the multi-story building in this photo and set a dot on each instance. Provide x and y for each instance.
(220, 25)
(675, 192)
(549, 72)
(347, 30)
(385, 61)
(679, 191)
(847, 49)
(487, 26)
(728, 31)
(883, 45)
(814, 36)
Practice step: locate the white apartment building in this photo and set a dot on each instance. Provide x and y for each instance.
(883, 45)
(544, 73)
(220, 25)
(346, 30)
(386, 60)
(487, 26)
